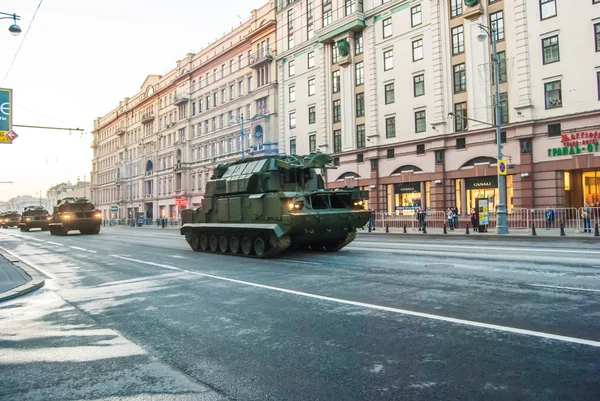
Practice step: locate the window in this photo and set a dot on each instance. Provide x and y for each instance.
(310, 30)
(292, 93)
(222, 96)
(387, 27)
(360, 77)
(360, 157)
(554, 130)
(598, 82)
(550, 51)
(336, 81)
(311, 87)
(497, 23)
(311, 59)
(460, 78)
(597, 33)
(215, 99)
(335, 55)
(337, 141)
(292, 118)
(360, 136)
(458, 40)
(292, 146)
(553, 94)
(312, 143)
(388, 60)
(547, 9)
(337, 111)
(417, 49)
(327, 13)
(292, 68)
(360, 104)
(312, 114)
(390, 127)
(455, 8)
(502, 137)
(421, 149)
(503, 109)
(290, 25)
(390, 153)
(502, 67)
(416, 18)
(460, 110)
(231, 91)
(419, 85)
(420, 121)
(389, 93)
(350, 6)
(461, 143)
(358, 43)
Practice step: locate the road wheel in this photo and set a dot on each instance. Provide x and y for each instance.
(214, 243)
(64, 231)
(246, 246)
(194, 241)
(234, 244)
(203, 242)
(95, 230)
(223, 245)
(259, 246)
(24, 229)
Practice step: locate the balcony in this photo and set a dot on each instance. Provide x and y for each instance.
(178, 166)
(147, 118)
(94, 144)
(121, 131)
(181, 98)
(262, 57)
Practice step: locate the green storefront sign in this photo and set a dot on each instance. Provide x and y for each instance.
(573, 150)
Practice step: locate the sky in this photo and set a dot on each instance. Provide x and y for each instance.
(78, 60)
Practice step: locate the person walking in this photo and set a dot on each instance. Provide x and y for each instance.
(585, 215)
(473, 220)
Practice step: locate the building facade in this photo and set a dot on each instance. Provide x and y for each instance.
(81, 189)
(402, 94)
(154, 153)
(19, 203)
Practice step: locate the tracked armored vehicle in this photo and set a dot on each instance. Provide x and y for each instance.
(259, 207)
(11, 219)
(35, 217)
(75, 214)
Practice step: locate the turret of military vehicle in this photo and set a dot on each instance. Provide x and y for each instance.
(258, 207)
(34, 217)
(75, 214)
(11, 219)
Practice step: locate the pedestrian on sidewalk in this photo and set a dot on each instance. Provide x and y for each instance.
(549, 217)
(585, 215)
(450, 215)
(473, 219)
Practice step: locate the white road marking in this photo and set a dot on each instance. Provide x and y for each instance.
(30, 263)
(91, 251)
(36, 239)
(54, 243)
(78, 248)
(472, 247)
(565, 288)
(177, 256)
(383, 308)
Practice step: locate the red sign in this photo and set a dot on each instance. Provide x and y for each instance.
(580, 138)
(12, 135)
(179, 201)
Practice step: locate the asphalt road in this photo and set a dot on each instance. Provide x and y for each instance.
(386, 318)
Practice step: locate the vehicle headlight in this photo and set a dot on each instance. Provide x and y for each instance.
(66, 216)
(295, 205)
(28, 219)
(98, 215)
(49, 217)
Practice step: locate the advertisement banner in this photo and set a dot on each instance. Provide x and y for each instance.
(6, 116)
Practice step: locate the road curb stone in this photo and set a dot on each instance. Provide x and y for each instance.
(37, 280)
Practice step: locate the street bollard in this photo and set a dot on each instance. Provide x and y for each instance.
(467, 227)
(562, 230)
(424, 228)
(387, 228)
(405, 229)
(596, 232)
(369, 228)
(445, 231)
(533, 229)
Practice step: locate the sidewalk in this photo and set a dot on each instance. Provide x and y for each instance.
(16, 278)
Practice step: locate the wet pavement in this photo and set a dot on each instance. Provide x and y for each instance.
(386, 318)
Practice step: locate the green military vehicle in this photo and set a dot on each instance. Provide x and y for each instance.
(75, 214)
(11, 219)
(258, 207)
(35, 217)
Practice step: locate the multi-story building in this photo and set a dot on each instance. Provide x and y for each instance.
(402, 94)
(81, 189)
(155, 152)
(19, 203)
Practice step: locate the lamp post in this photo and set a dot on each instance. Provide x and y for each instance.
(239, 120)
(14, 29)
(501, 217)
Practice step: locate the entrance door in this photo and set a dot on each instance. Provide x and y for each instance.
(591, 187)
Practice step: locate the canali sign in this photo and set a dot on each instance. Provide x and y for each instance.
(576, 143)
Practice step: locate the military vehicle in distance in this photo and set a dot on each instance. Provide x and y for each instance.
(34, 217)
(75, 214)
(261, 206)
(11, 219)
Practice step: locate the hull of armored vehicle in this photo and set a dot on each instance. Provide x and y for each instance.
(11, 220)
(261, 207)
(75, 214)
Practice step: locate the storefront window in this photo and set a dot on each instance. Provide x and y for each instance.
(509, 193)
(428, 195)
(390, 198)
(591, 187)
(457, 197)
(487, 188)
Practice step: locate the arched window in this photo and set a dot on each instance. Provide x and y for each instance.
(479, 160)
(348, 174)
(406, 169)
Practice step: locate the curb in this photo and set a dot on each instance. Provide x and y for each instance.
(486, 237)
(37, 281)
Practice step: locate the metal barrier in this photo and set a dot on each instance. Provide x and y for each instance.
(515, 218)
(410, 219)
(568, 217)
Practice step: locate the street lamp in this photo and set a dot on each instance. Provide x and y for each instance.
(14, 29)
(501, 218)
